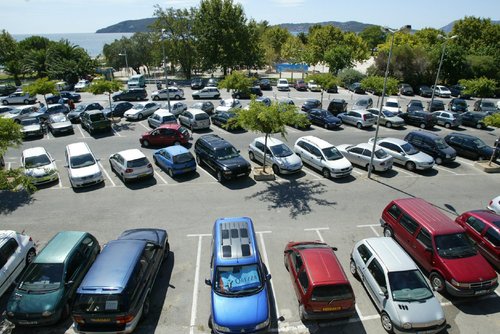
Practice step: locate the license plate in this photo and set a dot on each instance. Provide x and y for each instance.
(101, 320)
(329, 309)
(27, 322)
(241, 174)
(481, 292)
(144, 175)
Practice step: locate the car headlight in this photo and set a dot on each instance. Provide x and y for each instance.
(262, 324)
(10, 314)
(47, 313)
(221, 328)
(406, 325)
(458, 284)
(448, 156)
(280, 162)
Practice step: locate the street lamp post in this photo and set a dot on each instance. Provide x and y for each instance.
(391, 31)
(165, 67)
(126, 60)
(446, 39)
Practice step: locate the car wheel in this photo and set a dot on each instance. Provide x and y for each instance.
(388, 125)
(217, 96)
(139, 116)
(439, 161)
(437, 282)
(210, 322)
(286, 263)
(447, 125)
(237, 96)
(30, 256)
(220, 177)
(145, 143)
(170, 172)
(388, 232)
(5, 102)
(177, 97)
(479, 126)
(422, 125)
(138, 98)
(155, 160)
(276, 169)
(352, 268)
(386, 322)
(26, 102)
(251, 156)
(359, 126)
(410, 165)
(326, 173)
(325, 126)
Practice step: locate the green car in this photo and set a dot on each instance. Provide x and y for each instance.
(45, 291)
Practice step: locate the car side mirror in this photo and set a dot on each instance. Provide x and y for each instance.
(383, 292)
(66, 166)
(70, 283)
(334, 249)
(268, 277)
(208, 282)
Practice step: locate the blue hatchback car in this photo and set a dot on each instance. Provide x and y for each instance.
(238, 279)
(175, 160)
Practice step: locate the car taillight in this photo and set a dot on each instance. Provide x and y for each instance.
(124, 319)
(129, 170)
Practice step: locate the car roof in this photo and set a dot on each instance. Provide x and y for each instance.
(154, 235)
(176, 149)
(111, 270)
(322, 265)
(234, 241)
(132, 154)
(59, 247)
(425, 133)
(163, 112)
(270, 141)
(393, 140)
(428, 216)
(78, 148)
(316, 141)
(195, 111)
(34, 151)
(392, 99)
(169, 126)
(392, 256)
(5, 235)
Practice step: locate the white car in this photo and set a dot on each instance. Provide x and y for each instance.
(441, 91)
(81, 85)
(392, 105)
(141, 110)
(206, 93)
(313, 86)
(323, 156)
(226, 105)
(17, 251)
(282, 159)
(131, 164)
(83, 167)
(39, 165)
(195, 119)
(494, 205)
(283, 85)
(161, 116)
(361, 154)
(170, 92)
(176, 108)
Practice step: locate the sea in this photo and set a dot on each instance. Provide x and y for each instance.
(91, 42)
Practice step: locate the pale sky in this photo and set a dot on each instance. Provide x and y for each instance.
(83, 16)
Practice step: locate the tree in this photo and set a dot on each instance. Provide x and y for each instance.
(273, 40)
(373, 36)
(68, 62)
(14, 178)
(268, 119)
(349, 76)
(11, 56)
(338, 57)
(42, 86)
(482, 87)
(237, 81)
(139, 50)
(375, 84)
(105, 87)
(35, 49)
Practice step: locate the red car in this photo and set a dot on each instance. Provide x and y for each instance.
(321, 285)
(300, 85)
(166, 135)
(483, 227)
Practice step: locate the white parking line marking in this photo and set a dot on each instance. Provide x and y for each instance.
(318, 229)
(48, 136)
(60, 181)
(115, 132)
(465, 162)
(203, 169)
(78, 126)
(401, 170)
(194, 304)
(144, 126)
(266, 260)
(444, 169)
(106, 173)
(161, 178)
(372, 226)
(316, 177)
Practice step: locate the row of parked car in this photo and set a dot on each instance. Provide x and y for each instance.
(104, 291)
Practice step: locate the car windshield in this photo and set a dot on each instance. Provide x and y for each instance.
(409, 149)
(488, 104)
(461, 103)
(58, 118)
(281, 151)
(29, 121)
(392, 104)
(362, 102)
(409, 286)
(141, 162)
(15, 111)
(237, 280)
(331, 153)
(83, 160)
(227, 152)
(201, 117)
(138, 107)
(332, 293)
(388, 113)
(453, 246)
(417, 104)
(36, 161)
(381, 154)
(97, 117)
(479, 143)
(183, 158)
(42, 277)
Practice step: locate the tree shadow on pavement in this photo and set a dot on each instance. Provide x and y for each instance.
(295, 195)
(12, 200)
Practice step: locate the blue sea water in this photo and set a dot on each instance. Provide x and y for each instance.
(91, 42)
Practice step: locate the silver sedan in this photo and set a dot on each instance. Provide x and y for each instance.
(141, 110)
(388, 118)
(360, 155)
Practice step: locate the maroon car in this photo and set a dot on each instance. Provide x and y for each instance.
(300, 85)
(321, 285)
(483, 227)
(166, 135)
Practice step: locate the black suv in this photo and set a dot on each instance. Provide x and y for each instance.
(437, 105)
(336, 106)
(422, 119)
(94, 120)
(433, 145)
(471, 147)
(247, 93)
(133, 94)
(457, 105)
(221, 157)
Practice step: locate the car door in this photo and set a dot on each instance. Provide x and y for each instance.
(475, 229)
(316, 158)
(315, 117)
(376, 283)
(117, 162)
(395, 151)
(356, 155)
(184, 118)
(164, 159)
(258, 151)
(423, 249)
(404, 231)
(154, 120)
(295, 266)
(11, 263)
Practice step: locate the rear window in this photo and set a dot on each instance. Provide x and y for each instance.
(332, 292)
(138, 162)
(106, 303)
(97, 117)
(182, 158)
(201, 117)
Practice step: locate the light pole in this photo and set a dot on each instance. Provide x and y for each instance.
(446, 39)
(126, 59)
(165, 67)
(390, 31)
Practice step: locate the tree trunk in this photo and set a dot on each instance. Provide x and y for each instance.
(495, 148)
(265, 153)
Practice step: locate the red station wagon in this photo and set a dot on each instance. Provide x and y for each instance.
(322, 288)
(166, 135)
(483, 227)
(440, 247)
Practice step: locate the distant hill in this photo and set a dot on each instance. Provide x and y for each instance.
(141, 25)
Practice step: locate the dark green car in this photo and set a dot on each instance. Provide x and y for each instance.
(46, 290)
(94, 120)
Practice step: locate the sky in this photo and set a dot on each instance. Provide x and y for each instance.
(84, 16)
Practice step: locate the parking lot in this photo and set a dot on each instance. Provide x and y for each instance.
(302, 206)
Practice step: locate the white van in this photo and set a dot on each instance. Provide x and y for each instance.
(136, 81)
(83, 169)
